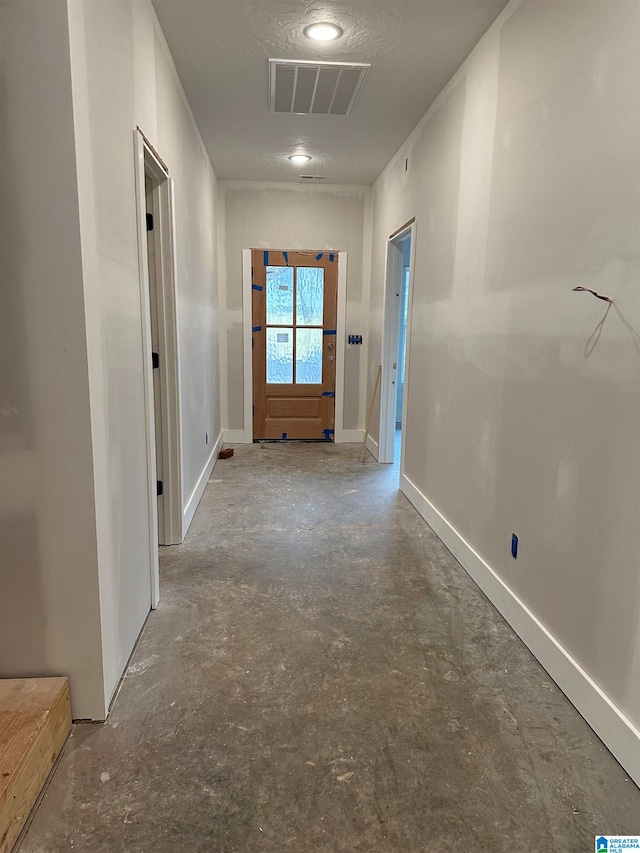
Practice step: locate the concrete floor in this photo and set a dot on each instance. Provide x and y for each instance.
(323, 676)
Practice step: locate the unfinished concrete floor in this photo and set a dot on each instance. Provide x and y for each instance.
(323, 676)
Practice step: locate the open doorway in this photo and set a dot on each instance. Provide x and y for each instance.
(400, 252)
(154, 192)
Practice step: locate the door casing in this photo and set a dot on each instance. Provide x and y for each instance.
(247, 303)
(390, 343)
(147, 163)
(302, 411)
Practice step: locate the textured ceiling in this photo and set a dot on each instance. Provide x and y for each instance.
(222, 47)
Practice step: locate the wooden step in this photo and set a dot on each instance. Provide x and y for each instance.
(35, 720)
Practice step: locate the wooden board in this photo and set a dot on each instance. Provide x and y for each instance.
(35, 720)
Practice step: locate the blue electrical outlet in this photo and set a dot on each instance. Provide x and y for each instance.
(514, 546)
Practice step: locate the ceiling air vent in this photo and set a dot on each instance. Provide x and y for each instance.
(315, 88)
(313, 177)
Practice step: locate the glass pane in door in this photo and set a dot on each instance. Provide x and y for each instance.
(279, 296)
(309, 356)
(279, 356)
(309, 296)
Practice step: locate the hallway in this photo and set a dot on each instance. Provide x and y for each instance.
(321, 675)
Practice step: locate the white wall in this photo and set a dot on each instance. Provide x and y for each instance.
(80, 78)
(123, 77)
(49, 608)
(255, 215)
(523, 411)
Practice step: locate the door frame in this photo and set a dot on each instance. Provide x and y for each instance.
(147, 162)
(391, 341)
(247, 303)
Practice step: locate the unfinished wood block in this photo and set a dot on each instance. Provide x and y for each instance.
(35, 720)
(227, 453)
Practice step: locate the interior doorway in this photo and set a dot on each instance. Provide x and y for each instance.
(400, 254)
(294, 334)
(154, 193)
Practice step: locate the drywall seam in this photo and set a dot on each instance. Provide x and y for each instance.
(194, 498)
(609, 723)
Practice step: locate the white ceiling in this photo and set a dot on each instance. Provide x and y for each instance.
(222, 47)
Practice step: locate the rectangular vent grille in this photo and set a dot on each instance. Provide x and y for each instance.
(313, 177)
(315, 88)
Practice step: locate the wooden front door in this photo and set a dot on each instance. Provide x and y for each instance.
(294, 344)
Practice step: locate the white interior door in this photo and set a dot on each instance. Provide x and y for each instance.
(155, 346)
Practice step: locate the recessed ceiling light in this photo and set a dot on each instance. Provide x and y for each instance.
(323, 32)
(299, 158)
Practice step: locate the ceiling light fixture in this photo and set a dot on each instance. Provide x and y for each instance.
(323, 32)
(299, 158)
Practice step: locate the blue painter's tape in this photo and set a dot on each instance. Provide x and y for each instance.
(328, 393)
(332, 257)
(329, 332)
(285, 255)
(257, 287)
(284, 436)
(319, 257)
(266, 259)
(257, 329)
(327, 434)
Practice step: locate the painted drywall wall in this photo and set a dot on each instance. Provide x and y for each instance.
(255, 215)
(74, 571)
(523, 410)
(123, 76)
(49, 607)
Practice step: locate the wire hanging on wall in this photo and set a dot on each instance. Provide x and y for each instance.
(598, 295)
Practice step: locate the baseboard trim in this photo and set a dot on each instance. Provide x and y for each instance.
(373, 448)
(194, 498)
(349, 436)
(233, 436)
(617, 732)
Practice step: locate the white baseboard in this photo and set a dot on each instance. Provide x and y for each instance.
(233, 436)
(373, 448)
(194, 498)
(617, 732)
(349, 436)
